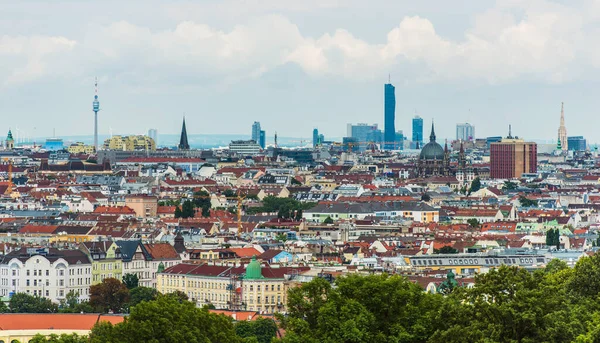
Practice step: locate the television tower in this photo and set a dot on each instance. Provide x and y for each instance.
(96, 109)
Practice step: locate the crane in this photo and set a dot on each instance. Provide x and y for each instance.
(10, 184)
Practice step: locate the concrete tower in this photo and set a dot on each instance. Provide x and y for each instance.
(96, 107)
(562, 130)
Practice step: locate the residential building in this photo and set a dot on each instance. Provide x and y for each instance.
(130, 143)
(46, 272)
(465, 132)
(145, 206)
(253, 287)
(106, 260)
(81, 148)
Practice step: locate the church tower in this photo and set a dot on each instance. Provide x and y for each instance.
(10, 142)
(183, 140)
(562, 130)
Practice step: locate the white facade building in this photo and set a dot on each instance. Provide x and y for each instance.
(49, 272)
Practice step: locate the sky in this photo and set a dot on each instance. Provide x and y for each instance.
(299, 65)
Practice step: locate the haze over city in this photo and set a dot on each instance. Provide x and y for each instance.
(295, 66)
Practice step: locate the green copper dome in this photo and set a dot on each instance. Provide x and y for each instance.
(253, 270)
(10, 136)
(432, 150)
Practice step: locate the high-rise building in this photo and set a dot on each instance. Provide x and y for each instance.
(389, 135)
(577, 143)
(315, 137)
(562, 129)
(512, 157)
(465, 132)
(364, 134)
(183, 139)
(262, 139)
(399, 139)
(256, 132)
(417, 132)
(153, 133)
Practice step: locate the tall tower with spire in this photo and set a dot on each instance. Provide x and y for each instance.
(562, 130)
(96, 108)
(183, 140)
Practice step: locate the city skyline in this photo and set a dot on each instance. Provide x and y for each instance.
(51, 64)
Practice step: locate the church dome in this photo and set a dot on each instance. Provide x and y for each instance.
(432, 150)
(253, 270)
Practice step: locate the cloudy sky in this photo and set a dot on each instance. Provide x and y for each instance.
(295, 65)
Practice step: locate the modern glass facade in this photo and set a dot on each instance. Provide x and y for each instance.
(315, 137)
(577, 143)
(256, 132)
(465, 132)
(389, 117)
(417, 132)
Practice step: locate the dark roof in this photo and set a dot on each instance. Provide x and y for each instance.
(51, 254)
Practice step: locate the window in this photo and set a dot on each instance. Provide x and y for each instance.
(47, 272)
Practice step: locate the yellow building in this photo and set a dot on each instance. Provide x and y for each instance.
(106, 260)
(130, 143)
(252, 288)
(80, 148)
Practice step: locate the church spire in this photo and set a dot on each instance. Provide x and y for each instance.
(183, 140)
(432, 135)
(562, 129)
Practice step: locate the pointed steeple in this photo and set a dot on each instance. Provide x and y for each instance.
(183, 140)
(562, 114)
(432, 135)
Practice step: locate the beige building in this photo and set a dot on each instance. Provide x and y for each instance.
(80, 148)
(251, 288)
(144, 205)
(130, 143)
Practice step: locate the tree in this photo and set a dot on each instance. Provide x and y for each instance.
(179, 296)
(525, 202)
(328, 220)
(178, 213)
(229, 193)
(475, 185)
(109, 295)
(71, 304)
(166, 320)
(446, 249)
(425, 197)
(188, 209)
(509, 186)
(555, 266)
(131, 280)
(139, 294)
(3, 307)
(263, 329)
(64, 338)
(473, 222)
(25, 303)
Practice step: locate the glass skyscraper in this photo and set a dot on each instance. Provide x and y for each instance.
(256, 132)
(389, 135)
(417, 132)
(315, 137)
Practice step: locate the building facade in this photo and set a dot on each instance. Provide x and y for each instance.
(512, 157)
(130, 143)
(106, 260)
(47, 272)
(577, 143)
(465, 132)
(389, 135)
(243, 147)
(251, 288)
(417, 132)
(145, 206)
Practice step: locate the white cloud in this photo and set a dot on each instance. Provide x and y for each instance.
(27, 58)
(539, 41)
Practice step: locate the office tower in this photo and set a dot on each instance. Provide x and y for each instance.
(183, 140)
(389, 117)
(96, 108)
(577, 143)
(512, 157)
(321, 138)
(465, 132)
(262, 140)
(363, 135)
(315, 137)
(417, 132)
(399, 140)
(256, 132)
(153, 133)
(562, 129)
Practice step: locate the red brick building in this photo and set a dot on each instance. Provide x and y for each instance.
(511, 158)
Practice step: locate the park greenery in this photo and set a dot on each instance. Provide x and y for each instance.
(506, 305)
(287, 208)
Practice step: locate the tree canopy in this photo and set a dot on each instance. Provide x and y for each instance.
(109, 295)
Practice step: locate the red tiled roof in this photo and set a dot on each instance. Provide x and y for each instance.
(30, 228)
(161, 251)
(114, 210)
(55, 321)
